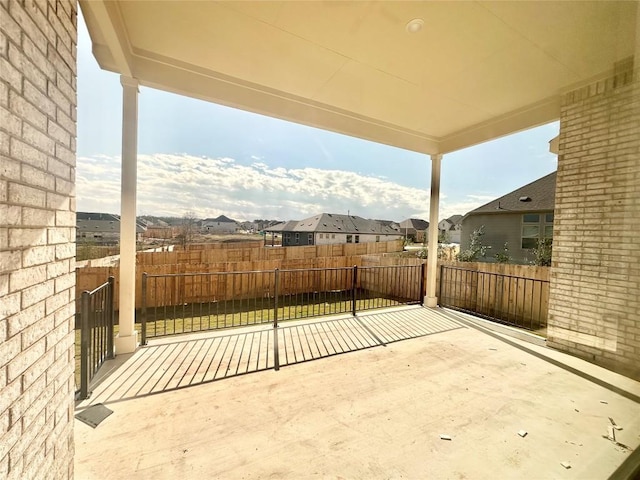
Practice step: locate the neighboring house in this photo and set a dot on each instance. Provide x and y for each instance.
(520, 218)
(451, 228)
(414, 229)
(389, 223)
(222, 224)
(331, 228)
(261, 225)
(156, 222)
(158, 232)
(248, 227)
(275, 231)
(157, 228)
(102, 228)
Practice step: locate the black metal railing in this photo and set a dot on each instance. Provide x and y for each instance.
(518, 301)
(191, 302)
(96, 332)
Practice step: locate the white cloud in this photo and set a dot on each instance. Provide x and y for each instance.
(173, 184)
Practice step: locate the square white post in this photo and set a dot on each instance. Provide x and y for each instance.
(127, 338)
(432, 258)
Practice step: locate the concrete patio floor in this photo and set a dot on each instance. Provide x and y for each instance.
(375, 412)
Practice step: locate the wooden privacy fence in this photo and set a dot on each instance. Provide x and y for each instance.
(179, 303)
(239, 252)
(514, 294)
(220, 245)
(174, 289)
(87, 278)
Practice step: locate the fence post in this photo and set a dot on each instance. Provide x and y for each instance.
(353, 290)
(276, 353)
(440, 294)
(111, 315)
(143, 310)
(84, 345)
(423, 272)
(475, 281)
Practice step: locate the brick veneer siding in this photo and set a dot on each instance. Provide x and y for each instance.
(594, 307)
(37, 233)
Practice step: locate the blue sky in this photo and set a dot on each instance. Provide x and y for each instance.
(209, 159)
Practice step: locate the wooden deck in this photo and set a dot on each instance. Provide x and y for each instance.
(177, 362)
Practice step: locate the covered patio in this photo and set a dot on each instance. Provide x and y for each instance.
(376, 412)
(431, 77)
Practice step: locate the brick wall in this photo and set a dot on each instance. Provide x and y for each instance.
(37, 223)
(595, 284)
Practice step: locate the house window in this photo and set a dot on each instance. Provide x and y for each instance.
(530, 230)
(310, 239)
(357, 238)
(548, 231)
(297, 238)
(287, 238)
(548, 225)
(320, 235)
(333, 235)
(377, 238)
(349, 237)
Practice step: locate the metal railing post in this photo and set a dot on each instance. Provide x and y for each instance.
(111, 314)
(276, 353)
(143, 310)
(441, 300)
(84, 345)
(423, 272)
(353, 290)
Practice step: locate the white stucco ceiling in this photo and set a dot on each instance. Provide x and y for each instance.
(476, 71)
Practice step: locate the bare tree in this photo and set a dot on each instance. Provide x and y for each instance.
(187, 228)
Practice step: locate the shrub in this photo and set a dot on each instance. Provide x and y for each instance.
(503, 256)
(476, 248)
(542, 253)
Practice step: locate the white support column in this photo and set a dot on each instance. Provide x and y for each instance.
(127, 339)
(432, 258)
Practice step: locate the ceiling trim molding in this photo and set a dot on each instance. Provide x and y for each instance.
(539, 113)
(107, 17)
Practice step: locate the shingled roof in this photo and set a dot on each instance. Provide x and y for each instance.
(100, 217)
(536, 196)
(221, 219)
(103, 222)
(336, 223)
(416, 223)
(282, 226)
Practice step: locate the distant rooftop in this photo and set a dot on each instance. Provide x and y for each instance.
(221, 219)
(103, 222)
(416, 223)
(81, 216)
(336, 223)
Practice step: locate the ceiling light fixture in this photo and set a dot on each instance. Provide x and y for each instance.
(415, 25)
